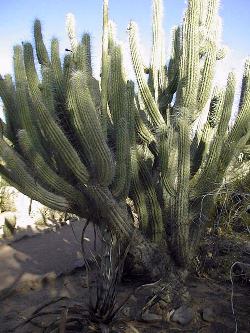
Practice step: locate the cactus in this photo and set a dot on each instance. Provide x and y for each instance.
(84, 147)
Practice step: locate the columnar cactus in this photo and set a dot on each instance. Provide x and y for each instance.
(78, 146)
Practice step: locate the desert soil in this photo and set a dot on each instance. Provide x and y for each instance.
(209, 285)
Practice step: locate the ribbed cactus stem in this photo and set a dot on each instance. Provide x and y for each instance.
(42, 54)
(147, 97)
(189, 67)
(245, 86)
(89, 128)
(24, 179)
(47, 175)
(68, 66)
(166, 141)
(57, 69)
(138, 194)
(30, 68)
(181, 228)
(175, 53)
(211, 165)
(71, 30)
(172, 70)
(47, 91)
(216, 107)
(203, 12)
(206, 81)
(118, 105)
(118, 91)
(7, 94)
(228, 104)
(156, 227)
(110, 210)
(157, 64)
(27, 118)
(211, 16)
(241, 125)
(87, 46)
(142, 130)
(131, 111)
(58, 140)
(105, 67)
(209, 130)
(121, 183)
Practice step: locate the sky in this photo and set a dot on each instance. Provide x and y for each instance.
(17, 17)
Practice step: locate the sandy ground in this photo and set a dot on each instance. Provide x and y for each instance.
(35, 269)
(206, 293)
(32, 256)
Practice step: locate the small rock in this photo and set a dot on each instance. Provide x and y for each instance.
(208, 314)
(183, 315)
(148, 316)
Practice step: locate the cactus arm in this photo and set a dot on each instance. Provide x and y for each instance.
(156, 222)
(208, 172)
(118, 105)
(189, 64)
(47, 91)
(42, 54)
(117, 92)
(138, 194)
(50, 85)
(241, 126)
(166, 142)
(207, 75)
(21, 176)
(8, 96)
(185, 105)
(245, 86)
(131, 111)
(80, 59)
(58, 139)
(71, 30)
(212, 10)
(87, 46)
(110, 209)
(57, 69)
(47, 175)
(142, 130)
(90, 129)
(27, 119)
(68, 66)
(147, 97)
(9, 177)
(201, 149)
(22, 93)
(172, 71)
(82, 62)
(105, 67)
(157, 66)
(121, 182)
(180, 227)
(30, 68)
